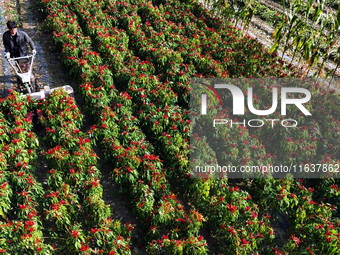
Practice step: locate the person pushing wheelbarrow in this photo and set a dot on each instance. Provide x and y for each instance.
(15, 42)
(16, 52)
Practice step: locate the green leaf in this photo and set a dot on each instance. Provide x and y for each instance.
(274, 48)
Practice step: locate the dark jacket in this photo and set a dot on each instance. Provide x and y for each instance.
(21, 39)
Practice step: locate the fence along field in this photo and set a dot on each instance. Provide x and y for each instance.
(131, 64)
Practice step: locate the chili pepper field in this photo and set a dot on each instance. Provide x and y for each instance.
(127, 130)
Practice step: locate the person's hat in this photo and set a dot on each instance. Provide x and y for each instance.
(11, 24)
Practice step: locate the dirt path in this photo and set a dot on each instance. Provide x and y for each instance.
(40, 70)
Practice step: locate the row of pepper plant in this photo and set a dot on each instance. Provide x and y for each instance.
(74, 201)
(21, 219)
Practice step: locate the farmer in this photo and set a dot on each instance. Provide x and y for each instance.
(15, 41)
